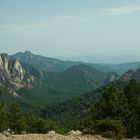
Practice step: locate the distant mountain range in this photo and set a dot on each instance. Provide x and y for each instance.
(39, 81)
(43, 63)
(53, 64)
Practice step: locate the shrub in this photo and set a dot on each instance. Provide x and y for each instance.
(110, 128)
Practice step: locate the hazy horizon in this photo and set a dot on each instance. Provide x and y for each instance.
(88, 59)
(78, 30)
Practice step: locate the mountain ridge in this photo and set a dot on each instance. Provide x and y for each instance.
(41, 87)
(44, 63)
(57, 65)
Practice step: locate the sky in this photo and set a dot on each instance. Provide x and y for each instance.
(101, 31)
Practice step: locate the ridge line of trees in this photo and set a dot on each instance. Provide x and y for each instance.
(18, 122)
(117, 113)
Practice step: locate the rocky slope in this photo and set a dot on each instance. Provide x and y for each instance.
(131, 74)
(113, 76)
(127, 76)
(15, 75)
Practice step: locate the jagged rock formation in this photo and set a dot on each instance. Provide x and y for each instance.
(112, 77)
(15, 75)
(128, 75)
(136, 75)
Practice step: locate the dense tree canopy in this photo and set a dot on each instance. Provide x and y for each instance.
(110, 111)
(3, 118)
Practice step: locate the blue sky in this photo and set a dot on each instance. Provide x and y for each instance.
(106, 31)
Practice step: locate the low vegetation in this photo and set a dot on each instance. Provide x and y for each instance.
(114, 114)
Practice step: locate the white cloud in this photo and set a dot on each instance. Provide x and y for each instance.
(37, 24)
(68, 19)
(124, 10)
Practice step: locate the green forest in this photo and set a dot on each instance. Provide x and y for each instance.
(111, 111)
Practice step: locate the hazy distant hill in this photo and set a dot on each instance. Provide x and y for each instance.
(44, 63)
(53, 64)
(122, 68)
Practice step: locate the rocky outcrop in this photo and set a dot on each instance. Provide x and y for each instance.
(136, 75)
(112, 77)
(2, 137)
(77, 132)
(128, 75)
(11, 72)
(15, 75)
(4, 73)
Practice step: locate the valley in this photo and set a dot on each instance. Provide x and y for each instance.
(39, 81)
(47, 86)
(68, 95)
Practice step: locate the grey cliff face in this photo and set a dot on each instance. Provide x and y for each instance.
(128, 75)
(112, 77)
(13, 74)
(4, 73)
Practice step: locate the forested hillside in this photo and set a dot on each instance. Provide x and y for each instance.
(110, 110)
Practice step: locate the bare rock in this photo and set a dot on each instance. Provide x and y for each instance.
(2, 137)
(51, 133)
(72, 132)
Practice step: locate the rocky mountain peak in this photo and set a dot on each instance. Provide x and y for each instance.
(15, 75)
(136, 75)
(128, 75)
(17, 72)
(113, 76)
(28, 54)
(4, 61)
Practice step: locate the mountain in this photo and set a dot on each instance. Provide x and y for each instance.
(56, 65)
(59, 87)
(83, 76)
(43, 63)
(38, 88)
(113, 76)
(41, 81)
(131, 74)
(53, 64)
(16, 75)
(127, 75)
(76, 80)
(122, 68)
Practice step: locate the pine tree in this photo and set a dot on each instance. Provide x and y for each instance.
(132, 93)
(16, 119)
(37, 124)
(111, 112)
(3, 122)
(112, 104)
